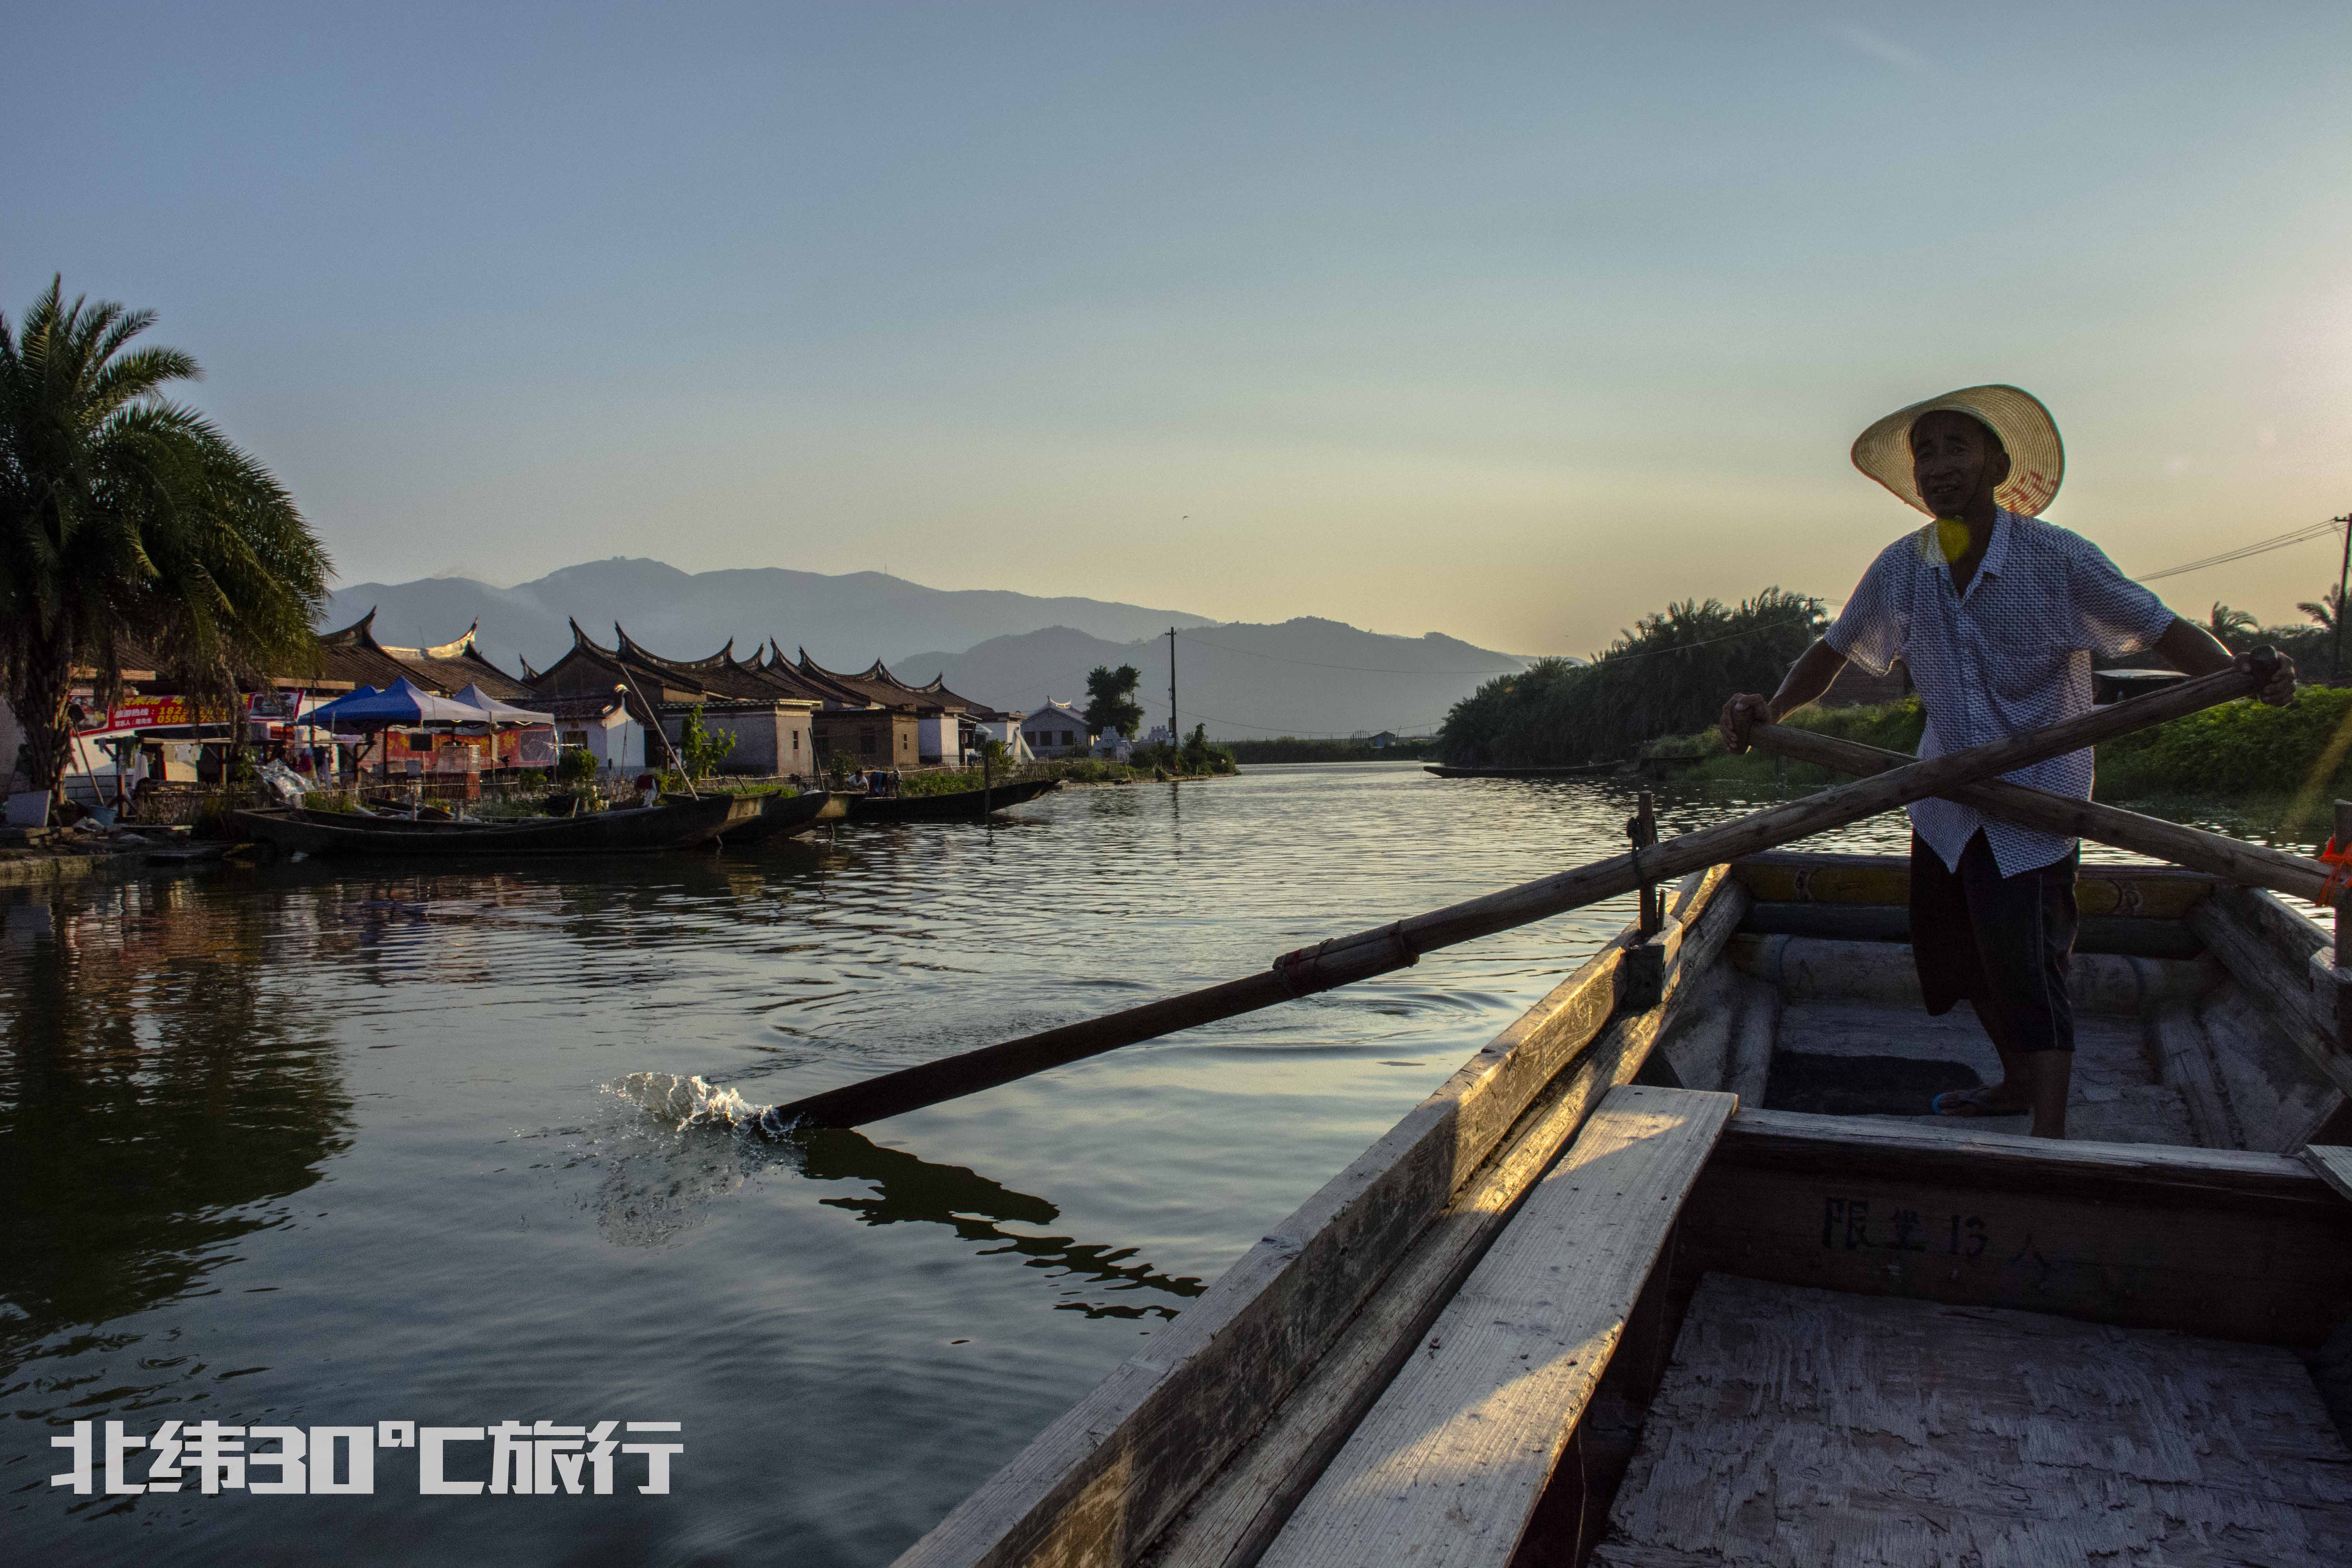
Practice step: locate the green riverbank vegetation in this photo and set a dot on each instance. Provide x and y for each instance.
(1655, 694)
(1667, 676)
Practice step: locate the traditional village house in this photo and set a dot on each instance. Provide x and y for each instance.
(1056, 730)
(869, 723)
(598, 693)
(947, 726)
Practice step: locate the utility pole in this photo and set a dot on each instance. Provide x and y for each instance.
(2343, 572)
(1174, 738)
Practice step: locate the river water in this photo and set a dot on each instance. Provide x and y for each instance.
(322, 1144)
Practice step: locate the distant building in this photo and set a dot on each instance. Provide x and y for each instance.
(597, 693)
(351, 657)
(929, 725)
(1383, 741)
(1056, 730)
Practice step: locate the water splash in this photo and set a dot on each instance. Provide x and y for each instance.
(686, 1143)
(672, 1148)
(690, 1102)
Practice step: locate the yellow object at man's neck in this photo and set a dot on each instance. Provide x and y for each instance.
(1952, 535)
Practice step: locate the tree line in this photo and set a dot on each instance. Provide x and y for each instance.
(1667, 675)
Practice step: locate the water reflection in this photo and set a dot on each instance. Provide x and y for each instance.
(159, 1098)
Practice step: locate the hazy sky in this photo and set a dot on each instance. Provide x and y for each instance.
(1509, 323)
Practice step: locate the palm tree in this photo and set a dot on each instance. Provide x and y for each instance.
(128, 518)
(2326, 610)
(2233, 629)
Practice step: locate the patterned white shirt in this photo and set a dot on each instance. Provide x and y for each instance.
(2011, 654)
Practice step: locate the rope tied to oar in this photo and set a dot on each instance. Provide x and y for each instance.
(1302, 973)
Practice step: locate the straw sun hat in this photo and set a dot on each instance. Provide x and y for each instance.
(2037, 461)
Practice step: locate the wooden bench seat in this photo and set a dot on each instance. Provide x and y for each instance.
(1447, 1466)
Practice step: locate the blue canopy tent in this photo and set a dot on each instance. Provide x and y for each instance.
(403, 705)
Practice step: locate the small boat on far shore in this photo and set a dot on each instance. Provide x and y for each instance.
(1580, 770)
(785, 815)
(673, 824)
(961, 805)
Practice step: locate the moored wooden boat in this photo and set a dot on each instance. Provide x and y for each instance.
(785, 815)
(960, 805)
(1522, 1326)
(672, 825)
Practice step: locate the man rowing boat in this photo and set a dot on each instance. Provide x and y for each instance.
(1997, 613)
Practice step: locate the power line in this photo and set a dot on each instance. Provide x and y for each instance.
(2262, 546)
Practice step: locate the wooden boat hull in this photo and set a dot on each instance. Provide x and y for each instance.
(680, 825)
(964, 806)
(784, 816)
(1264, 1426)
(1581, 769)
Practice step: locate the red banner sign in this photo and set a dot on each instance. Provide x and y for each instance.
(149, 712)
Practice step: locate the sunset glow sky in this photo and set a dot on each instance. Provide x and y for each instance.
(1505, 321)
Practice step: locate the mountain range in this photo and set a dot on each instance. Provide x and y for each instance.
(1303, 677)
(1014, 651)
(845, 622)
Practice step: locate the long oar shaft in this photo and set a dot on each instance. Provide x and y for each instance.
(2249, 865)
(1343, 960)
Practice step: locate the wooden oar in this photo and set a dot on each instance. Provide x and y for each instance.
(1346, 959)
(2249, 865)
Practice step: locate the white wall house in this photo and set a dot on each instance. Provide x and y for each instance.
(1007, 731)
(939, 737)
(1056, 730)
(615, 739)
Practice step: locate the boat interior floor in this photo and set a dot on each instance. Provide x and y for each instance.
(2167, 1050)
(1797, 1426)
(1873, 1058)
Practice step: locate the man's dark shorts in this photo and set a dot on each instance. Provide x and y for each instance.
(2004, 943)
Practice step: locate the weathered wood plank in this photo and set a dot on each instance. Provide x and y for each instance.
(2182, 1059)
(2130, 935)
(1238, 1512)
(1447, 1466)
(1800, 1427)
(2334, 1163)
(1100, 1484)
(2137, 893)
(2220, 1242)
(2300, 999)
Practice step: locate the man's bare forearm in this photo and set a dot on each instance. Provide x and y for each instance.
(1807, 679)
(2191, 649)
